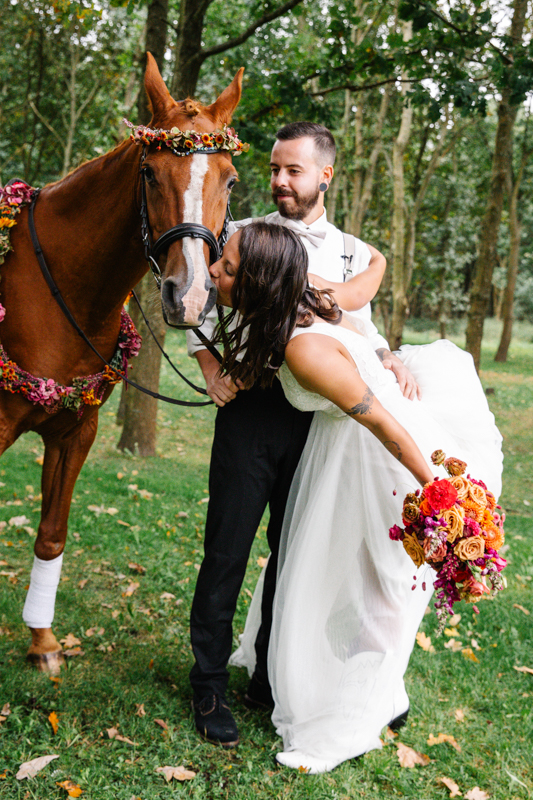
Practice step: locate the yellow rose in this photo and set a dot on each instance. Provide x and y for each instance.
(414, 549)
(454, 519)
(477, 494)
(470, 549)
(462, 485)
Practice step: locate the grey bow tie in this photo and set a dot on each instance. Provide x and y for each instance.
(316, 237)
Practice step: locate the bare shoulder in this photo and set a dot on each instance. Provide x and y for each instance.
(313, 356)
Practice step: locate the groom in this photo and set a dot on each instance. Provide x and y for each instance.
(259, 436)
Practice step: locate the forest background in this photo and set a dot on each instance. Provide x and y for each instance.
(430, 104)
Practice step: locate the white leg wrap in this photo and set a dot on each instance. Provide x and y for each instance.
(40, 600)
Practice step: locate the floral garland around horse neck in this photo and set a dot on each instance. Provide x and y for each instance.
(12, 197)
(86, 390)
(183, 143)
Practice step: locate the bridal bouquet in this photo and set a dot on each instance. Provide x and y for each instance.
(455, 526)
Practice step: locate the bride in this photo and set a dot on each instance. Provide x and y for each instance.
(349, 600)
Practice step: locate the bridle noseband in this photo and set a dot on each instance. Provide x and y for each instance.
(184, 230)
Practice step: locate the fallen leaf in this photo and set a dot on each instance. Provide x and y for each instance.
(454, 645)
(140, 710)
(521, 608)
(145, 494)
(524, 669)
(424, 642)
(262, 562)
(119, 738)
(444, 737)
(162, 723)
(203, 500)
(390, 734)
(83, 583)
(72, 788)
(475, 644)
(2, 719)
(178, 773)
(6, 711)
(476, 794)
(454, 620)
(167, 596)
(18, 522)
(74, 651)
(94, 632)
(137, 567)
(459, 714)
(30, 768)
(120, 475)
(115, 613)
(134, 585)
(469, 653)
(121, 522)
(54, 722)
(451, 632)
(70, 640)
(182, 514)
(451, 785)
(112, 732)
(409, 757)
(3, 563)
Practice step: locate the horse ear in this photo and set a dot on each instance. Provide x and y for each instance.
(158, 95)
(222, 109)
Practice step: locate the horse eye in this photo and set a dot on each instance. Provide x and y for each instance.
(148, 174)
(231, 183)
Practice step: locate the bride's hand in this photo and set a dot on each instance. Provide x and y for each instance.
(406, 381)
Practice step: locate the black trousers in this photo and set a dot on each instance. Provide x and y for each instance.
(258, 441)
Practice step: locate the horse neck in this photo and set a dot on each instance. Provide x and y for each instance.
(93, 230)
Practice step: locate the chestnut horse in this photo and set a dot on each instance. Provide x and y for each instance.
(89, 227)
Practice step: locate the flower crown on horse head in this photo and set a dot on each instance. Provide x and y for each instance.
(183, 143)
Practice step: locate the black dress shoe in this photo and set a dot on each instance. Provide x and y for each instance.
(399, 721)
(214, 721)
(258, 696)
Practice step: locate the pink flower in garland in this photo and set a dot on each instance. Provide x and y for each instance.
(2, 312)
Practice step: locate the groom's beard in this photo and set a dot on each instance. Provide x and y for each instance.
(301, 206)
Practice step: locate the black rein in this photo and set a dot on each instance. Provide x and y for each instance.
(56, 294)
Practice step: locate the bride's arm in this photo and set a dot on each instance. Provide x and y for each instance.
(322, 364)
(359, 290)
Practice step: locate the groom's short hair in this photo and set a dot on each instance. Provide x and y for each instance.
(325, 148)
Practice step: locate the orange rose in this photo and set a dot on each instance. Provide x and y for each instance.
(454, 518)
(425, 508)
(462, 485)
(454, 466)
(470, 549)
(414, 549)
(410, 513)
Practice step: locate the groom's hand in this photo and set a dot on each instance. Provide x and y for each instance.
(408, 386)
(220, 388)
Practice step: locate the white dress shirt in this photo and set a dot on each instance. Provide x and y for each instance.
(325, 248)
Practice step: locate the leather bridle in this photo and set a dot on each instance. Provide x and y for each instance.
(184, 230)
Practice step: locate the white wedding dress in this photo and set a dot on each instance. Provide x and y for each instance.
(347, 605)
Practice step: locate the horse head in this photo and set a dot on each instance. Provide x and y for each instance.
(182, 190)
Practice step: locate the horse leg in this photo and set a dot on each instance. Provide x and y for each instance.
(63, 460)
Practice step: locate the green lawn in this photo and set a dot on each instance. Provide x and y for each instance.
(137, 657)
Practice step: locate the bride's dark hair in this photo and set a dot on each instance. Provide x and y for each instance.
(271, 295)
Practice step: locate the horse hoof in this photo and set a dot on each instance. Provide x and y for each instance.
(47, 662)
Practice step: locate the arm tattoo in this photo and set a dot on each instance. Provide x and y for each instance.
(365, 406)
(382, 353)
(394, 449)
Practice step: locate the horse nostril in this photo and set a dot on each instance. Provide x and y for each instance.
(170, 294)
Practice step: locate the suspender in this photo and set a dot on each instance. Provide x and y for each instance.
(349, 255)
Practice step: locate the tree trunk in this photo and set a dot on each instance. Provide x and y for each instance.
(514, 257)
(339, 175)
(399, 288)
(486, 259)
(137, 411)
(188, 55)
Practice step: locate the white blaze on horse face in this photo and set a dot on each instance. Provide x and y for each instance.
(196, 295)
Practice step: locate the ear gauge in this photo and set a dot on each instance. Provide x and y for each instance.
(323, 187)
